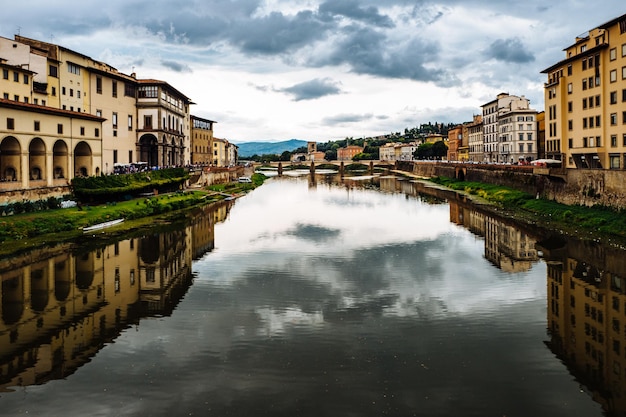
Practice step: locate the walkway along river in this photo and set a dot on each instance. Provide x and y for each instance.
(316, 296)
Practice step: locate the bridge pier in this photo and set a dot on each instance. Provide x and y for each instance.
(312, 167)
(280, 169)
(341, 169)
(371, 167)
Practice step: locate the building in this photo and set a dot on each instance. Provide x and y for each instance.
(42, 147)
(454, 139)
(509, 129)
(349, 152)
(475, 139)
(201, 141)
(517, 126)
(585, 100)
(164, 124)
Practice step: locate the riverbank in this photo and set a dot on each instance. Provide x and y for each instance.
(31, 230)
(591, 223)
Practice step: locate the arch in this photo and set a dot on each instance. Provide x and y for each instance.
(60, 159)
(84, 267)
(460, 173)
(39, 289)
(37, 159)
(62, 280)
(82, 159)
(149, 149)
(10, 159)
(12, 299)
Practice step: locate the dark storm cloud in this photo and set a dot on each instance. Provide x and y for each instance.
(354, 10)
(176, 66)
(277, 33)
(509, 50)
(368, 51)
(313, 89)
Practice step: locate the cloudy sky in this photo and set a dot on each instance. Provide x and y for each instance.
(271, 70)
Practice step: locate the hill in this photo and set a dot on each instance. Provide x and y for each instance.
(247, 149)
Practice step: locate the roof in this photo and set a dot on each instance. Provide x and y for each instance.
(35, 108)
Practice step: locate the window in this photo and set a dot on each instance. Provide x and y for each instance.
(130, 122)
(570, 124)
(585, 103)
(25, 77)
(25, 99)
(71, 92)
(97, 133)
(98, 112)
(148, 91)
(570, 143)
(613, 54)
(613, 97)
(73, 68)
(129, 90)
(624, 117)
(598, 101)
(53, 92)
(10, 123)
(598, 121)
(623, 50)
(60, 128)
(37, 126)
(16, 77)
(613, 119)
(585, 84)
(5, 96)
(16, 97)
(623, 73)
(114, 120)
(82, 131)
(78, 94)
(569, 69)
(614, 161)
(99, 85)
(5, 73)
(53, 71)
(147, 122)
(613, 76)
(114, 156)
(62, 90)
(570, 106)
(613, 141)
(114, 88)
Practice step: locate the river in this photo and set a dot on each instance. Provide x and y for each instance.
(318, 296)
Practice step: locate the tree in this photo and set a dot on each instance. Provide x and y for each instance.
(285, 156)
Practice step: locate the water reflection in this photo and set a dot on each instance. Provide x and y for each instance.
(347, 302)
(60, 307)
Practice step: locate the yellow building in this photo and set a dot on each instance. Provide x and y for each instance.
(201, 140)
(44, 147)
(164, 124)
(585, 100)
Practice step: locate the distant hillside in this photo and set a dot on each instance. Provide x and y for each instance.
(247, 149)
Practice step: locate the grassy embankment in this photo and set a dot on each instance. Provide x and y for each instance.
(29, 230)
(595, 222)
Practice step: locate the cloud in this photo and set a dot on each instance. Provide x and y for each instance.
(347, 118)
(313, 89)
(176, 66)
(355, 11)
(277, 33)
(509, 50)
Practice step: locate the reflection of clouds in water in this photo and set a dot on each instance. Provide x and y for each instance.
(354, 247)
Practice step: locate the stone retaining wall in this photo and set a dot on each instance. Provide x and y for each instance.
(568, 186)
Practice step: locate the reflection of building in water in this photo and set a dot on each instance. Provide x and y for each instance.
(506, 246)
(203, 226)
(58, 312)
(587, 317)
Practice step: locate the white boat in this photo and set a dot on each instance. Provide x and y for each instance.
(244, 179)
(102, 225)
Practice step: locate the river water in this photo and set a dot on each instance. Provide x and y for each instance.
(317, 296)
